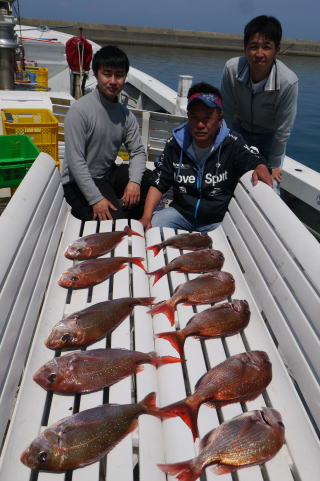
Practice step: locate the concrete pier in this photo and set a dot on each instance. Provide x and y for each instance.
(161, 37)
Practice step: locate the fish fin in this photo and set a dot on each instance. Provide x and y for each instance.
(184, 471)
(148, 403)
(157, 275)
(156, 249)
(132, 428)
(143, 301)
(205, 440)
(223, 468)
(186, 410)
(131, 232)
(139, 368)
(176, 339)
(214, 404)
(163, 308)
(87, 357)
(138, 262)
(201, 337)
(159, 361)
(122, 267)
(199, 381)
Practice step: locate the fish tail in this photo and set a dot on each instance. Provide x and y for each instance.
(143, 301)
(138, 262)
(159, 361)
(157, 274)
(131, 232)
(184, 471)
(156, 249)
(186, 410)
(176, 339)
(164, 308)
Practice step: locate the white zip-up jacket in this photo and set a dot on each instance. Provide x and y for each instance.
(271, 111)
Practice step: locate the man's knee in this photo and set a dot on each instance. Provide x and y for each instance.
(79, 206)
(165, 218)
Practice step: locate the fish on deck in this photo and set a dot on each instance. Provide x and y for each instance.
(239, 378)
(92, 272)
(248, 439)
(191, 242)
(85, 437)
(205, 289)
(207, 260)
(93, 323)
(95, 245)
(221, 320)
(94, 369)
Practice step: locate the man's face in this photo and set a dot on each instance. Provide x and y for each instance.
(260, 53)
(204, 123)
(111, 81)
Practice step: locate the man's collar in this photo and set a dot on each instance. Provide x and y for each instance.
(272, 83)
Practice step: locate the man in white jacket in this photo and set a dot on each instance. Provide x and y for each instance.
(260, 93)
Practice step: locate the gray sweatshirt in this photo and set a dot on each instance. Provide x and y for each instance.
(94, 130)
(271, 111)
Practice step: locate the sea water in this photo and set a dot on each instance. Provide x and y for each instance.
(166, 64)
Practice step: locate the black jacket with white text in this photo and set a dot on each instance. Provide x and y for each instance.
(202, 192)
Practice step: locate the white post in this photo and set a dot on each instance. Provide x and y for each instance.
(185, 82)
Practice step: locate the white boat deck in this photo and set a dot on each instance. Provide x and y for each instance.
(136, 457)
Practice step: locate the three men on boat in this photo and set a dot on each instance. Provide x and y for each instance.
(203, 160)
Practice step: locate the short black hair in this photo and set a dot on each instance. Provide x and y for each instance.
(110, 56)
(204, 88)
(270, 27)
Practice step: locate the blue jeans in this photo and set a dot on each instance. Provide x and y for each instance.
(263, 142)
(170, 217)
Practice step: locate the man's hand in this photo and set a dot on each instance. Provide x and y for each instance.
(261, 172)
(277, 174)
(131, 195)
(101, 210)
(146, 222)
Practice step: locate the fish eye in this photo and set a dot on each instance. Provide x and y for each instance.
(66, 338)
(267, 361)
(52, 377)
(79, 250)
(281, 424)
(73, 278)
(42, 457)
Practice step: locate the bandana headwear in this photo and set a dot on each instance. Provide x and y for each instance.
(210, 100)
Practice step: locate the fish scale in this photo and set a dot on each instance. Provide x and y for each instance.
(89, 371)
(86, 437)
(246, 440)
(239, 378)
(95, 245)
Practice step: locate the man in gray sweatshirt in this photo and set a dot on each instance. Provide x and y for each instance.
(260, 93)
(95, 128)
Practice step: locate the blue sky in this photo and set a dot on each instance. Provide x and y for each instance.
(300, 19)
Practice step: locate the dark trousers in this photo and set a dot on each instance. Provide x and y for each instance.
(111, 186)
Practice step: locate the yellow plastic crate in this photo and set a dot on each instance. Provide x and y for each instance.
(124, 155)
(39, 124)
(41, 76)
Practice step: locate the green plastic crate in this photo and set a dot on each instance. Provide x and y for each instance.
(17, 154)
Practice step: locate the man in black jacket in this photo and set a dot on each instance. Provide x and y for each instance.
(203, 162)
